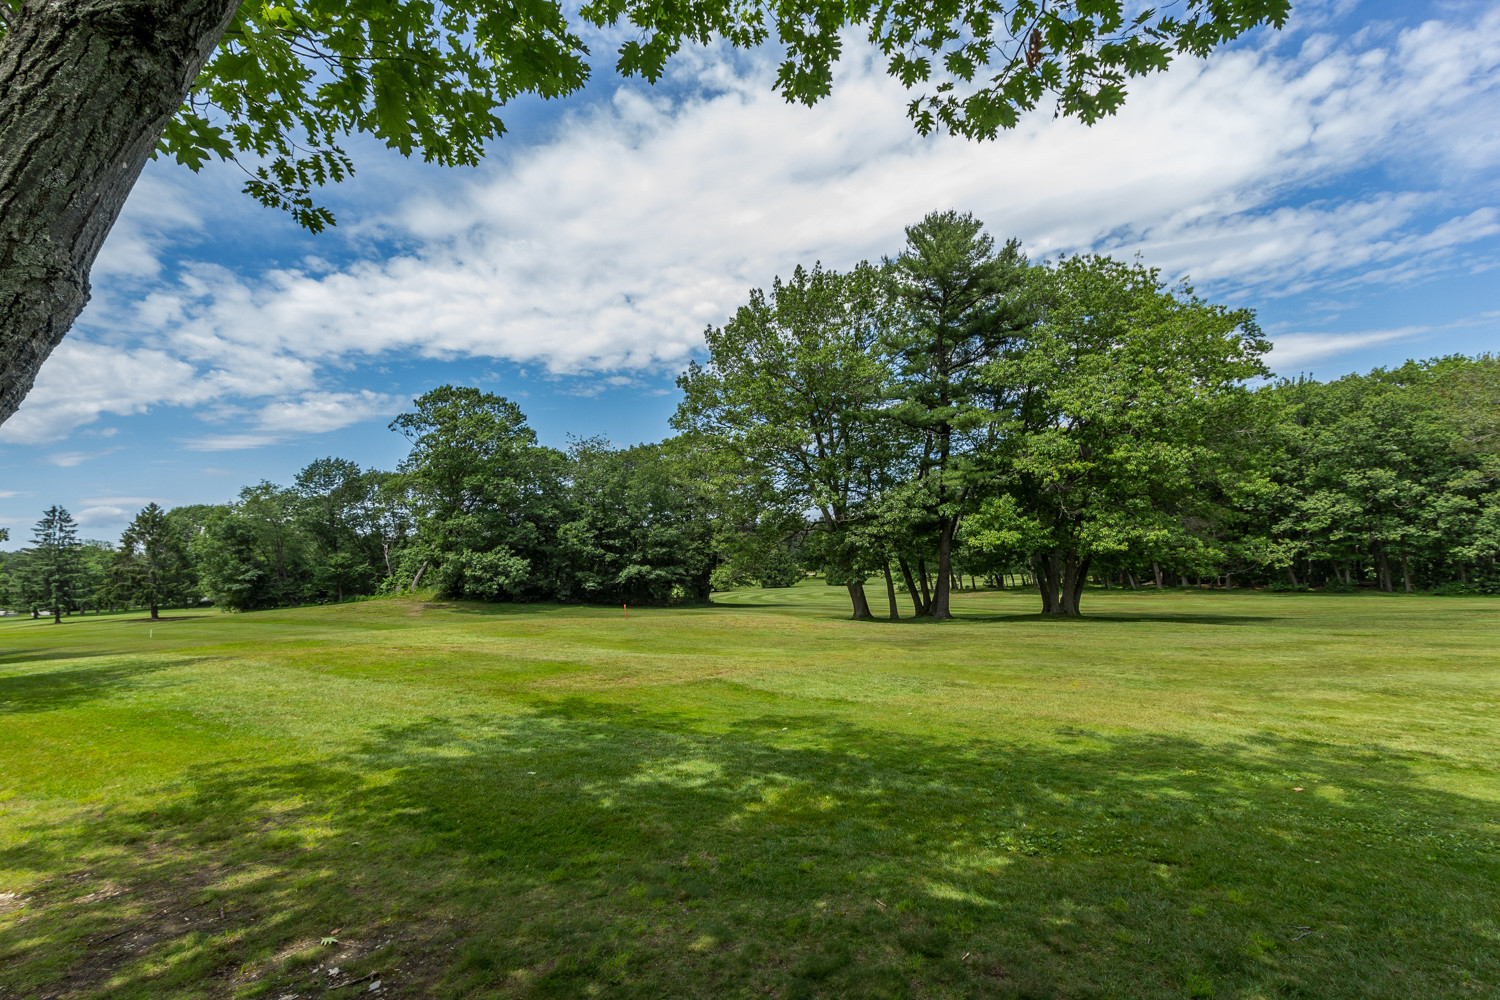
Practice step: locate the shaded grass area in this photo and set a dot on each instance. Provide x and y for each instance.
(1190, 796)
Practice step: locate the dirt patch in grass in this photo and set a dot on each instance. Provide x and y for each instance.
(114, 923)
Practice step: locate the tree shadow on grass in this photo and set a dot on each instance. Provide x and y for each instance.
(594, 850)
(1087, 618)
(757, 605)
(50, 690)
(37, 654)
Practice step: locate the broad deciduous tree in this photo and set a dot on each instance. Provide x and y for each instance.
(792, 392)
(1126, 397)
(487, 499)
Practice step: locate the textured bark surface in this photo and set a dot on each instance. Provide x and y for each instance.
(86, 87)
(858, 600)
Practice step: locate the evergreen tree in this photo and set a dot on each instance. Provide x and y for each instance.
(961, 304)
(152, 563)
(55, 564)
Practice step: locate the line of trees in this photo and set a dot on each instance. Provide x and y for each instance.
(955, 410)
(479, 510)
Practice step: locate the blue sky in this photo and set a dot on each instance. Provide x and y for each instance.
(1339, 177)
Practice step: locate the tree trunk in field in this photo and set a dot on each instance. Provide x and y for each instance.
(890, 591)
(911, 586)
(861, 604)
(926, 593)
(86, 87)
(944, 582)
(155, 612)
(1074, 575)
(1405, 574)
(1156, 568)
(1383, 568)
(417, 580)
(1048, 576)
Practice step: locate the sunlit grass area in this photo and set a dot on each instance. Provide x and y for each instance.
(1180, 795)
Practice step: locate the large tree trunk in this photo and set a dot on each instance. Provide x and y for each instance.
(861, 604)
(890, 591)
(86, 87)
(944, 582)
(1075, 574)
(1047, 576)
(926, 594)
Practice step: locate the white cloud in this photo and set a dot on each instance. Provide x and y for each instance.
(606, 249)
(69, 459)
(313, 413)
(84, 379)
(1292, 349)
(91, 517)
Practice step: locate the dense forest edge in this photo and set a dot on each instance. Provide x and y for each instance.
(954, 415)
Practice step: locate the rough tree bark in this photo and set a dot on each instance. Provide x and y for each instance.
(858, 600)
(86, 87)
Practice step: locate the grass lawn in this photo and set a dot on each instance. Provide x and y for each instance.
(1224, 795)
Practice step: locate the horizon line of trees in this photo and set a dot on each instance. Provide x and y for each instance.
(955, 410)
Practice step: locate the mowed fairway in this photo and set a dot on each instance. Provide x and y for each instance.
(1182, 795)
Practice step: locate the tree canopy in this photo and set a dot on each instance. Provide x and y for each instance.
(277, 87)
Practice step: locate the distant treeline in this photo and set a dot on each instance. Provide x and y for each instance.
(955, 411)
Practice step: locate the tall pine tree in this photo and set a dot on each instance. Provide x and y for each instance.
(55, 561)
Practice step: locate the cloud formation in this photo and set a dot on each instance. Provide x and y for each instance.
(607, 249)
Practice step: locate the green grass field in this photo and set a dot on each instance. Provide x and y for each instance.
(1182, 795)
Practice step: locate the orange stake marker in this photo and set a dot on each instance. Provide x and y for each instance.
(627, 610)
